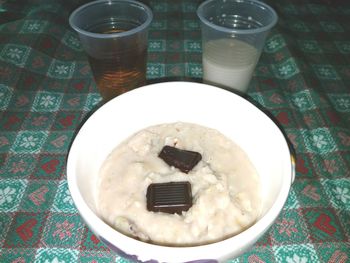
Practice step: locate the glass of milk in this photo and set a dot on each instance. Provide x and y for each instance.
(233, 35)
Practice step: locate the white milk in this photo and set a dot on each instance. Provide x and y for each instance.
(229, 62)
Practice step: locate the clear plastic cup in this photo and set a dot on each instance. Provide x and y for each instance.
(114, 34)
(233, 36)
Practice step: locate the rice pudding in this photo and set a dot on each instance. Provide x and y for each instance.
(225, 186)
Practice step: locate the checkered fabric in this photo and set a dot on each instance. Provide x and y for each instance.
(46, 89)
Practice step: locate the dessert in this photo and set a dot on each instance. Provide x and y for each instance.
(216, 173)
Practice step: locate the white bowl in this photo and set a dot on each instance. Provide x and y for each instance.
(167, 102)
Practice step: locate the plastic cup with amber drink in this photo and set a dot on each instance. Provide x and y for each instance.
(114, 34)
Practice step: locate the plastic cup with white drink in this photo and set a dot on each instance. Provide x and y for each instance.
(233, 36)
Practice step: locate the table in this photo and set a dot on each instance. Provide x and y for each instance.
(46, 89)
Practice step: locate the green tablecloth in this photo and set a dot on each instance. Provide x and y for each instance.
(46, 89)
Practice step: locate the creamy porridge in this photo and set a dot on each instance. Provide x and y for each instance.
(224, 184)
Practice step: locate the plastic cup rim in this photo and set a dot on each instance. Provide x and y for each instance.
(112, 35)
(239, 31)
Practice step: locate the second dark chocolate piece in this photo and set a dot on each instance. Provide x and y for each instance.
(173, 197)
(181, 159)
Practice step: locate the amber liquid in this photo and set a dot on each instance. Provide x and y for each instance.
(121, 72)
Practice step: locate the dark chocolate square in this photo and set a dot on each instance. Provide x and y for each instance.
(172, 197)
(182, 159)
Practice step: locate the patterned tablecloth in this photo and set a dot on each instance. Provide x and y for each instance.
(46, 89)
